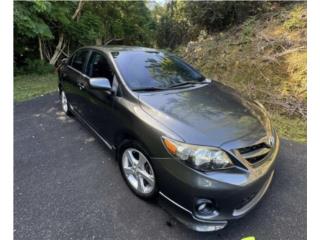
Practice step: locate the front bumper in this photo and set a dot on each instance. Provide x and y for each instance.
(234, 191)
(187, 217)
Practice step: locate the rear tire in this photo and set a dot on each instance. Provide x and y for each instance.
(137, 170)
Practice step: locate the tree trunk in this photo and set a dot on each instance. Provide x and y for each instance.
(57, 51)
(46, 51)
(98, 41)
(78, 10)
(61, 44)
(40, 48)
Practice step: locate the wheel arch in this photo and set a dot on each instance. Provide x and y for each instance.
(125, 136)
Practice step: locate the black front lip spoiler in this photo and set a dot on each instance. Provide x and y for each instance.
(183, 215)
(245, 209)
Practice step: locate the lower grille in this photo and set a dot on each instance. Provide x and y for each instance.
(255, 153)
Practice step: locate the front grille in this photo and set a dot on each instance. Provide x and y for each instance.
(255, 153)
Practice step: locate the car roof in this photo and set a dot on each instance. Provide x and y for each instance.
(120, 48)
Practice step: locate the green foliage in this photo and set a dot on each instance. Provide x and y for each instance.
(248, 29)
(97, 22)
(178, 22)
(86, 30)
(38, 20)
(137, 23)
(173, 28)
(218, 15)
(38, 67)
(27, 20)
(34, 66)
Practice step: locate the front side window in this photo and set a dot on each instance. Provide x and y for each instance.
(153, 69)
(98, 66)
(79, 60)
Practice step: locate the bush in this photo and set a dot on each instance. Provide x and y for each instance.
(216, 16)
(35, 66)
(248, 29)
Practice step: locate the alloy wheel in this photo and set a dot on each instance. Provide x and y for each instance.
(138, 171)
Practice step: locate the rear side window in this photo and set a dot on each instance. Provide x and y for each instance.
(79, 60)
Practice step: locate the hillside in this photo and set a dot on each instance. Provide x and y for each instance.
(264, 58)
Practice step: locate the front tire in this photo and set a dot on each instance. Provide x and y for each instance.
(138, 171)
(65, 104)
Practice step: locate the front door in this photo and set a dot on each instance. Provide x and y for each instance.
(98, 104)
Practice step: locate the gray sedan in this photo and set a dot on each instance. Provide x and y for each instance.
(205, 150)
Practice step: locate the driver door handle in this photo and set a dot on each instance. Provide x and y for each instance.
(81, 85)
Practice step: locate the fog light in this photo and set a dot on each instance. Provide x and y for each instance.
(201, 207)
(205, 209)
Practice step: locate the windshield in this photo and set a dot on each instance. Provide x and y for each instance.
(153, 69)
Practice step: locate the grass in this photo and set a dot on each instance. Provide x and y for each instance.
(293, 128)
(29, 86)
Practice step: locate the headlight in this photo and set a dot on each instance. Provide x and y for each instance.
(199, 157)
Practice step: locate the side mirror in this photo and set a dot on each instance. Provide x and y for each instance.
(64, 60)
(100, 83)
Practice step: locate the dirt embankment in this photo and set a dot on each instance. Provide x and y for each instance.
(265, 58)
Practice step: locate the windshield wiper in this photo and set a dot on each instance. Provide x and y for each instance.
(186, 83)
(149, 89)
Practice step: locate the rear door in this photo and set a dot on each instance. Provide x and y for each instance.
(75, 79)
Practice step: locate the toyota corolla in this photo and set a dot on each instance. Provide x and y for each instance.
(195, 143)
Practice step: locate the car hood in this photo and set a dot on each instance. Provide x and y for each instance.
(211, 114)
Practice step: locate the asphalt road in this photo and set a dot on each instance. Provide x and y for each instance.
(68, 186)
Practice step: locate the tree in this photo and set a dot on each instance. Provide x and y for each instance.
(44, 21)
(29, 24)
(173, 28)
(56, 27)
(218, 15)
